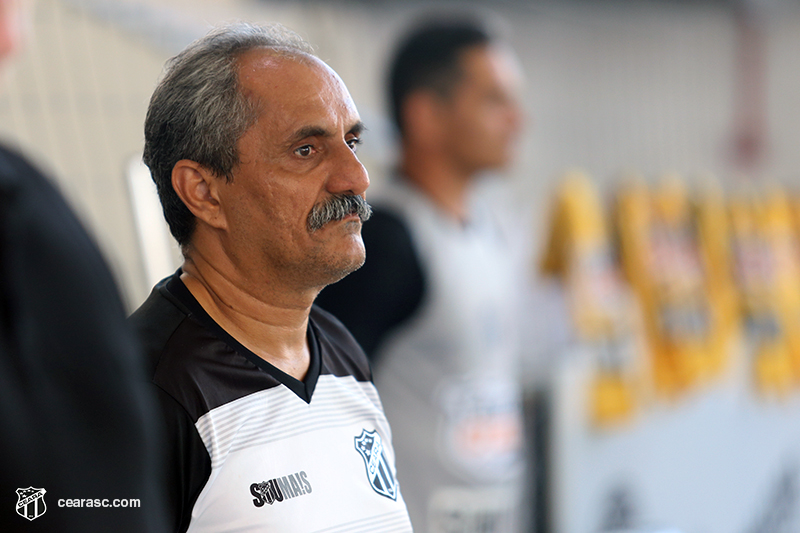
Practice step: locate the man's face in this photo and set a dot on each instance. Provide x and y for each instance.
(299, 153)
(482, 114)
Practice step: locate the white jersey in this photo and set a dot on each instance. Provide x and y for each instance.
(448, 375)
(280, 464)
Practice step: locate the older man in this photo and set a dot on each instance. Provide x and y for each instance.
(273, 419)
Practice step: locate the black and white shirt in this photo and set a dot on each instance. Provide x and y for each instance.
(254, 449)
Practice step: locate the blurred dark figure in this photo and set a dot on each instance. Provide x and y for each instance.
(435, 306)
(76, 429)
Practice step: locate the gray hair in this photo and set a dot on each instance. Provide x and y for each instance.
(198, 111)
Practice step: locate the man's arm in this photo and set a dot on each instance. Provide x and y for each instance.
(386, 291)
(188, 465)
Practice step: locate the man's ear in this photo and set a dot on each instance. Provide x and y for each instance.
(198, 187)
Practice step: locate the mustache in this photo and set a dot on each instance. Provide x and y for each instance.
(336, 208)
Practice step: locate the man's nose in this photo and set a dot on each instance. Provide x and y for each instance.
(348, 175)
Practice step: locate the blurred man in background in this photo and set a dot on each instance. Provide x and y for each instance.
(435, 304)
(78, 444)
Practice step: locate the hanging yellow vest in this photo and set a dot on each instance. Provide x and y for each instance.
(767, 270)
(660, 242)
(579, 254)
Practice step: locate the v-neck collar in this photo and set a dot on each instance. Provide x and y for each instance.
(303, 389)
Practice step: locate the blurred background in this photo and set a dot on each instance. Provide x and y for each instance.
(629, 91)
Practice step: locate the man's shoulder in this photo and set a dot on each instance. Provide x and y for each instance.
(34, 199)
(341, 354)
(155, 321)
(13, 167)
(21, 179)
(180, 351)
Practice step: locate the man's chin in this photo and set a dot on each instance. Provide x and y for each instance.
(337, 274)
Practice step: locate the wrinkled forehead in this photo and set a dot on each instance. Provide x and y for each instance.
(278, 76)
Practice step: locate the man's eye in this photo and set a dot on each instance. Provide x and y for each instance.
(304, 151)
(354, 142)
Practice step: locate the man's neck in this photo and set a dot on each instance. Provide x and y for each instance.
(271, 325)
(444, 183)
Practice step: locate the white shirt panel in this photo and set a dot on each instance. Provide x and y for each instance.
(274, 435)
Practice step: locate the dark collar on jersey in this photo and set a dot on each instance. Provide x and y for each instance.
(304, 389)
